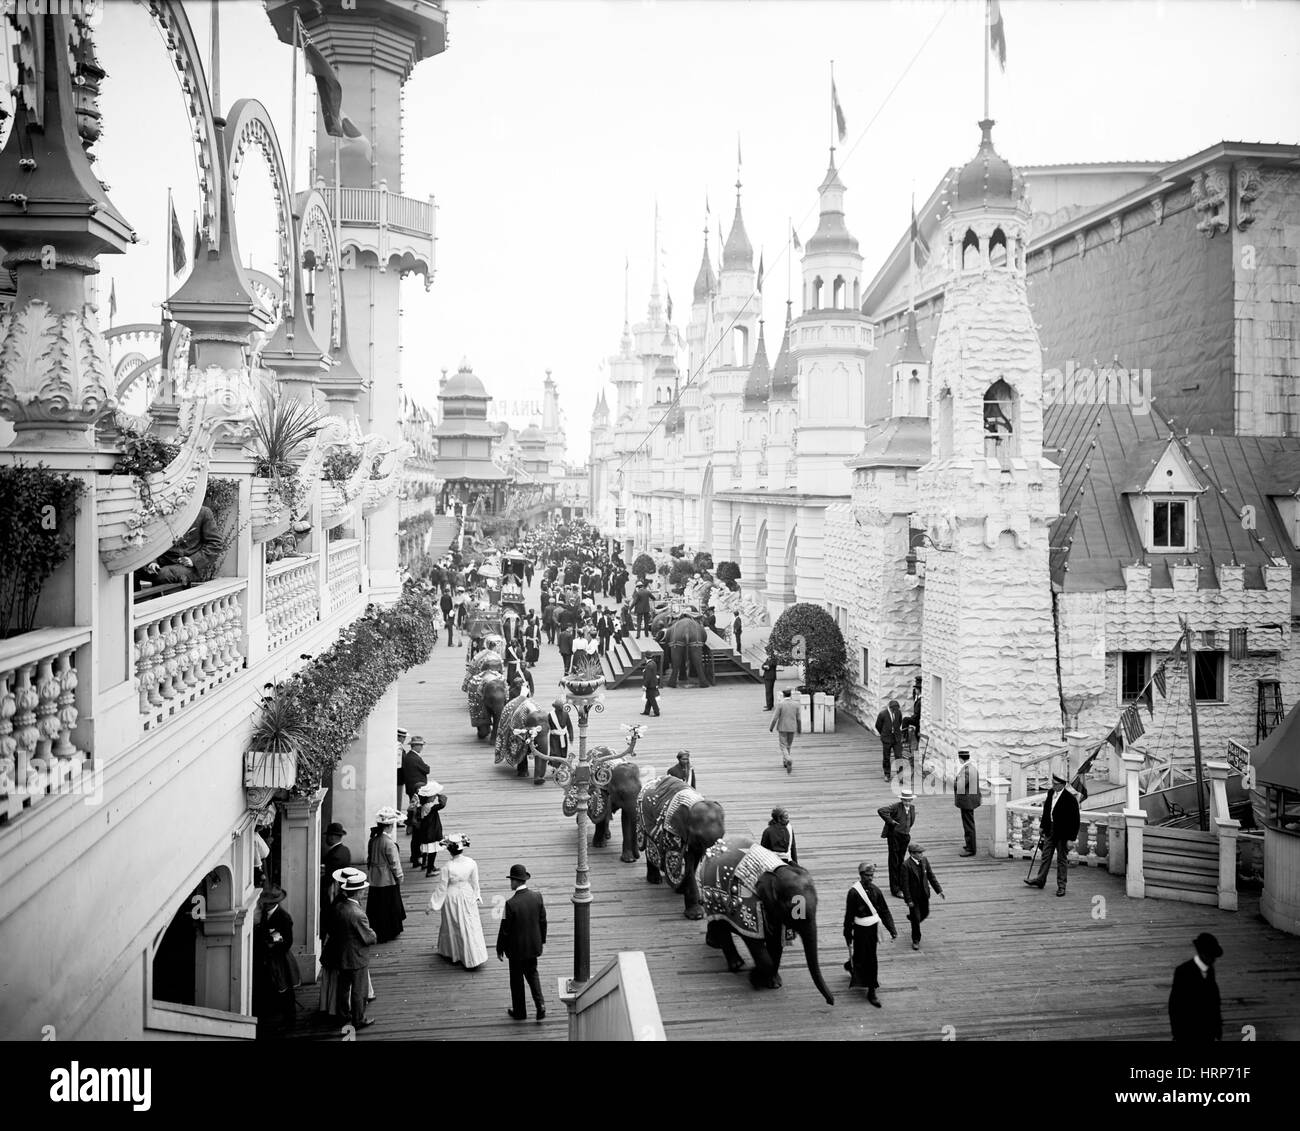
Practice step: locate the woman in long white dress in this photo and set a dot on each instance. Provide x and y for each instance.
(456, 894)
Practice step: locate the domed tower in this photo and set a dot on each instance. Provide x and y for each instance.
(987, 495)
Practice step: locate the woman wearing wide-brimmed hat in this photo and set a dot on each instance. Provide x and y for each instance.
(457, 895)
(384, 864)
(275, 969)
(428, 823)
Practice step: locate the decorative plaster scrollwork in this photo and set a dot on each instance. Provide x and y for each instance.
(1158, 209)
(1210, 200)
(1249, 187)
(1117, 228)
(54, 369)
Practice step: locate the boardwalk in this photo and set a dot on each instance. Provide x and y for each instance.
(999, 961)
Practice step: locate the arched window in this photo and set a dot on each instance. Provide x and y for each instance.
(915, 392)
(970, 250)
(817, 293)
(999, 420)
(998, 248)
(837, 293)
(740, 345)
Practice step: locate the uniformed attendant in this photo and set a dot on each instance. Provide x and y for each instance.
(864, 912)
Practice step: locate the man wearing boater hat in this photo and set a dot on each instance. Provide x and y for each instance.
(521, 938)
(1059, 826)
(1194, 1013)
(349, 943)
(899, 819)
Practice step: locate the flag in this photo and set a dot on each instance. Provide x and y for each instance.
(198, 238)
(760, 272)
(840, 126)
(112, 302)
(670, 306)
(1131, 721)
(1237, 643)
(794, 239)
(738, 151)
(329, 90)
(1116, 741)
(178, 242)
(997, 34)
(920, 249)
(1160, 681)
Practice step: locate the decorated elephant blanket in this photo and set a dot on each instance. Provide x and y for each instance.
(483, 662)
(510, 747)
(728, 879)
(478, 712)
(655, 806)
(598, 802)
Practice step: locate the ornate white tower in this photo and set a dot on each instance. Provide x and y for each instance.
(987, 495)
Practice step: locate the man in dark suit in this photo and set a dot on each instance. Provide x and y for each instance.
(605, 629)
(566, 646)
(889, 725)
(769, 680)
(966, 791)
(415, 772)
(682, 771)
(864, 913)
(350, 940)
(641, 609)
(1060, 826)
(918, 879)
(521, 938)
(1194, 1013)
(336, 855)
(274, 971)
(899, 819)
(191, 557)
(737, 627)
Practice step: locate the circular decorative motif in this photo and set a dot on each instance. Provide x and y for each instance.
(564, 775)
(602, 775)
(674, 866)
(570, 806)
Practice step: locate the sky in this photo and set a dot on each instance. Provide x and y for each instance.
(548, 133)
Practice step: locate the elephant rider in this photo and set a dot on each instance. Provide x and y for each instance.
(559, 734)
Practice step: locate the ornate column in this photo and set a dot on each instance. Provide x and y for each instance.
(300, 860)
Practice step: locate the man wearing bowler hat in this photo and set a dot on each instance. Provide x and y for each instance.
(336, 855)
(1060, 826)
(521, 938)
(1194, 1014)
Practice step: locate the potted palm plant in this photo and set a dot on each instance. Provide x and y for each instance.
(281, 429)
(280, 731)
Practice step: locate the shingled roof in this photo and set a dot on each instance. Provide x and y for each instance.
(1105, 452)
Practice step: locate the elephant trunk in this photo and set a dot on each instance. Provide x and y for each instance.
(808, 932)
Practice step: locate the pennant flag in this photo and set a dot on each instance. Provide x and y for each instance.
(329, 90)
(178, 243)
(920, 249)
(1116, 741)
(1159, 679)
(670, 306)
(997, 33)
(1237, 643)
(738, 151)
(112, 302)
(840, 126)
(794, 238)
(760, 271)
(198, 238)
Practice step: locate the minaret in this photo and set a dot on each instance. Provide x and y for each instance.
(987, 494)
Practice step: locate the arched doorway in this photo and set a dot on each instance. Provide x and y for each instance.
(760, 559)
(735, 542)
(790, 567)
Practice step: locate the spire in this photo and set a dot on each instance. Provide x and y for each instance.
(738, 255)
(758, 384)
(785, 370)
(705, 283)
(909, 349)
(656, 307)
(832, 234)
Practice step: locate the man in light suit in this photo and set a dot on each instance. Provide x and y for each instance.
(1194, 1012)
(521, 938)
(1060, 826)
(966, 791)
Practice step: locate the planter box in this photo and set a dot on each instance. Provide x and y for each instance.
(823, 713)
(265, 770)
(805, 712)
(270, 516)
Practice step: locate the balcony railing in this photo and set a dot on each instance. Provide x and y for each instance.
(382, 209)
(344, 572)
(186, 644)
(1092, 846)
(38, 711)
(292, 599)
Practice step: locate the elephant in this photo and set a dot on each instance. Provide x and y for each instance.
(521, 713)
(487, 698)
(683, 641)
(490, 657)
(674, 826)
(749, 891)
(619, 796)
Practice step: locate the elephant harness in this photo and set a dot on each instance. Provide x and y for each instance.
(663, 847)
(728, 881)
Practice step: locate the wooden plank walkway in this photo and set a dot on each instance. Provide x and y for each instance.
(999, 960)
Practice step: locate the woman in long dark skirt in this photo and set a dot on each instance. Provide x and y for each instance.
(384, 864)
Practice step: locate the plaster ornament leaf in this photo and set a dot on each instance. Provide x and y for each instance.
(1158, 209)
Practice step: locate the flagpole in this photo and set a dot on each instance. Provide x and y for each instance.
(988, 48)
(215, 50)
(832, 110)
(293, 121)
(167, 286)
(1196, 730)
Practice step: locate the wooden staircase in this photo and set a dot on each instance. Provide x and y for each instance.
(625, 660)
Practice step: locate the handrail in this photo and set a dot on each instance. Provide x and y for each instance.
(146, 612)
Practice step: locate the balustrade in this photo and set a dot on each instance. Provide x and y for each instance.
(1024, 826)
(344, 572)
(185, 645)
(292, 599)
(38, 711)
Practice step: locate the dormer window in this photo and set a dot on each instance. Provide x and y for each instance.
(1171, 524)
